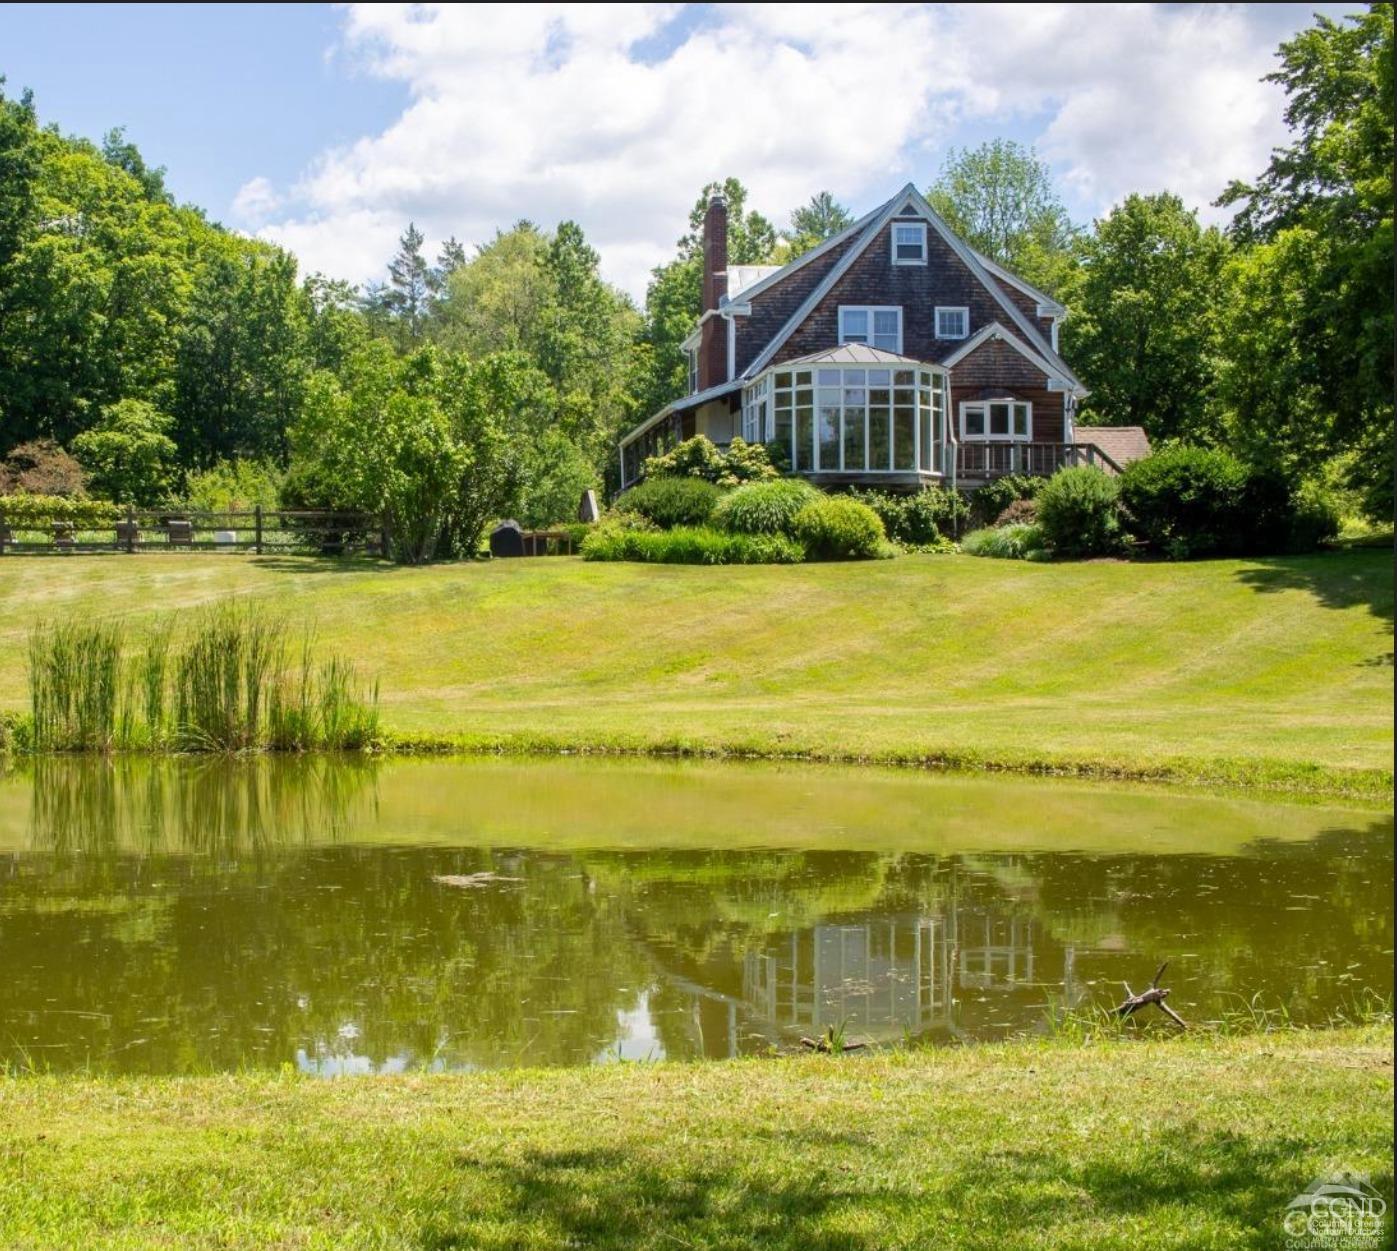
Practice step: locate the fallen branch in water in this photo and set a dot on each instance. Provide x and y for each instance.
(472, 881)
(1154, 995)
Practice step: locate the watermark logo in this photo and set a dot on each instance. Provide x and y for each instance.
(1341, 1212)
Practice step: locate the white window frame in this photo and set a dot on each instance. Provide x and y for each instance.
(892, 236)
(952, 308)
(987, 437)
(692, 354)
(872, 310)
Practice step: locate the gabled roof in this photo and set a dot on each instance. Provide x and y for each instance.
(996, 331)
(852, 354)
(907, 202)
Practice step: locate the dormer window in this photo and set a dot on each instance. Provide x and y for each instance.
(880, 327)
(909, 243)
(952, 323)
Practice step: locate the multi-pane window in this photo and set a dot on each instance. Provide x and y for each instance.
(847, 420)
(754, 410)
(879, 327)
(692, 354)
(952, 323)
(996, 419)
(909, 243)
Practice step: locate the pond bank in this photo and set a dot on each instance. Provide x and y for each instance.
(1177, 1141)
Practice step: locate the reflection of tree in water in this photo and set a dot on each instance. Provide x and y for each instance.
(95, 806)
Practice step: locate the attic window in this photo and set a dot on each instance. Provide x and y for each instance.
(878, 327)
(909, 243)
(952, 323)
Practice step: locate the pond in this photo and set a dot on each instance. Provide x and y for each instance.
(169, 917)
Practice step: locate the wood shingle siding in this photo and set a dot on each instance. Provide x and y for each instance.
(874, 280)
(773, 308)
(995, 370)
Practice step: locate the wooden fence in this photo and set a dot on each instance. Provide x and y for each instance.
(256, 531)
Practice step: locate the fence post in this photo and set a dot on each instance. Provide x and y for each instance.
(130, 528)
(258, 530)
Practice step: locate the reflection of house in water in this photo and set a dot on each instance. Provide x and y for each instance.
(885, 976)
(964, 965)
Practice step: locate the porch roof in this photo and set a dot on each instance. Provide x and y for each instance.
(851, 354)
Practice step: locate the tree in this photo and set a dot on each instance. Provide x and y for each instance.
(495, 301)
(1144, 327)
(119, 151)
(819, 219)
(1328, 196)
(673, 299)
(404, 303)
(129, 455)
(1000, 199)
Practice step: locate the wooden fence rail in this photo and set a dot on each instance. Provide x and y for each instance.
(257, 531)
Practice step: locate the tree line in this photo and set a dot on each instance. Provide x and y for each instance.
(151, 354)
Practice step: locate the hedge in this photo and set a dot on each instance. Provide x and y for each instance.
(33, 512)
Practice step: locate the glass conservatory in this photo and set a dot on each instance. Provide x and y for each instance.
(852, 418)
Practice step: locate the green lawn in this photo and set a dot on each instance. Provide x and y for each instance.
(1273, 671)
(1182, 1142)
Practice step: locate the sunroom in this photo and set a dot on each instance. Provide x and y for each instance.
(855, 413)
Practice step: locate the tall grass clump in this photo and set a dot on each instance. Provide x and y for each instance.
(74, 685)
(225, 683)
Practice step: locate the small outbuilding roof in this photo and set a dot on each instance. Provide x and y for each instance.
(1122, 444)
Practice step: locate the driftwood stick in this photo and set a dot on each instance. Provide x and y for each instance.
(1154, 995)
(824, 1045)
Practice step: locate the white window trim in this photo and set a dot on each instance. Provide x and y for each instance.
(872, 309)
(692, 354)
(987, 437)
(892, 242)
(951, 308)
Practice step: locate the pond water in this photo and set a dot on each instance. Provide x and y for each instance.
(186, 917)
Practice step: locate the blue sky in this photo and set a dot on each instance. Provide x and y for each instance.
(327, 128)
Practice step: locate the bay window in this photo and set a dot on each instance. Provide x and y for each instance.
(879, 327)
(997, 419)
(852, 420)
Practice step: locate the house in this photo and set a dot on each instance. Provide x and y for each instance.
(891, 355)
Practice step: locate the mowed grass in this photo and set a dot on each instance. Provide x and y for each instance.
(1272, 672)
(1180, 1142)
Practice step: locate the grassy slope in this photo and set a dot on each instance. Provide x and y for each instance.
(1226, 666)
(1178, 1143)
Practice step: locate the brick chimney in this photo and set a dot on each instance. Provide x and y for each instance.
(713, 340)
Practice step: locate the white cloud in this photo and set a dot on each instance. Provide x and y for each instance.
(616, 115)
(255, 201)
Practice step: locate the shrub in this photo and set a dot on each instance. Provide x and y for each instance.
(922, 519)
(1195, 501)
(699, 457)
(994, 497)
(38, 512)
(41, 467)
(836, 527)
(1017, 541)
(1078, 512)
(670, 502)
(764, 507)
(1019, 513)
(234, 486)
(747, 462)
(1318, 515)
(686, 545)
(128, 454)
(694, 458)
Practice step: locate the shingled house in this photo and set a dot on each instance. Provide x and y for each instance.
(891, 355)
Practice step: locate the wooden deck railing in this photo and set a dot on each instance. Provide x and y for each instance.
(257, 531)
(976, 461)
